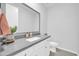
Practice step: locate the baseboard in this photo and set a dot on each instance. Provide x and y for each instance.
(68, 50)
(62, 52)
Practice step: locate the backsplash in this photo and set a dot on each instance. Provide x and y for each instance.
(23, 34)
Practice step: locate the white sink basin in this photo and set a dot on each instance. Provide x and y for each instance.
(33, 39)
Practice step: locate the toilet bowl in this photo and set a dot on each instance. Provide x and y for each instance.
(53, 46)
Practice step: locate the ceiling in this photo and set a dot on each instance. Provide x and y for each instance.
(48, 5)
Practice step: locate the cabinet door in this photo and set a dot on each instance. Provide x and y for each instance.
(46, 49)
(42, 49)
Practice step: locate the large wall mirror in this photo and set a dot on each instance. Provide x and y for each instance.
(25, 18)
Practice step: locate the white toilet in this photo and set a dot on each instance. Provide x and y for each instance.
(53, 46)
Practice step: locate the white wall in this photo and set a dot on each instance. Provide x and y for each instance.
(63, 23)
(43, 15)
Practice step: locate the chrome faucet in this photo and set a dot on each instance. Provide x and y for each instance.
(28, 34)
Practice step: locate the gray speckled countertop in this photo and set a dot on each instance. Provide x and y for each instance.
(19, 45)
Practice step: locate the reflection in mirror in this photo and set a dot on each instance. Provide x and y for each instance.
(4, 27)
(12, 17)
(22, 17)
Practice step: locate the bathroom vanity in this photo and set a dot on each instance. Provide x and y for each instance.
(39, 49)
(22, 47)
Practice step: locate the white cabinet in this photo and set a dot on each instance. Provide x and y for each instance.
(39, 49)
(42, 48)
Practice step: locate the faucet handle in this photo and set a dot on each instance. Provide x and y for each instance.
(27, 35)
